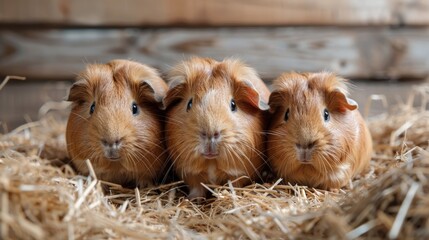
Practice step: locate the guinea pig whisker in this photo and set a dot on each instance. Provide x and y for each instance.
(187, 157)
(236, 158)
(177, 154)
(160, 158)
(332, 153)
(80, 116)
(277, 147)
(259, 153)
(174, 121)
(145, 161)
(326, 163)
(135, 166)
(321, 164)
(164, 179)
(250, 162)
(281, 141)
(148, 141)
(146, 151)
(139, 156)
(278, 134)
(333, 157)
(160, 116)
(180, 140)
(262, 156)
(230, 156)
(82, 153)
(165, 151)
(287, 157)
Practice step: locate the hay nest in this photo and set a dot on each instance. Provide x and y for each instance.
(39, 200)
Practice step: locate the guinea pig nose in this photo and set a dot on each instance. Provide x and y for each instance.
(111, 143)
(311, 144)
(216, 134)
(308, 145)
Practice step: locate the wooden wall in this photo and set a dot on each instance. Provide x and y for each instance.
(54, 39)
(214, 12)
(355, 53)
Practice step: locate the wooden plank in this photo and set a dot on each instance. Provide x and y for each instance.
(214, 12)
(20, 101)
(352, 52)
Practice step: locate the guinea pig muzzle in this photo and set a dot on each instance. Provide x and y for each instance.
(112, 149)
(210, 142)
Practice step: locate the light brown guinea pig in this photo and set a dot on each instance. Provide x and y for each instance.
(214, 124)
(317, 136)
(115, 122)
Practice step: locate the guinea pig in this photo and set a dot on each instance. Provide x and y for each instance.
(215, 122)
(316, 136)
(116, 122)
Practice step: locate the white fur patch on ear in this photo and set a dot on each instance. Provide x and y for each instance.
(261, 104)
(158, 88)
(352, 102)
(175, 81)
(250, 84)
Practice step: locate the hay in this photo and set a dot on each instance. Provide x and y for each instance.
(42, 201)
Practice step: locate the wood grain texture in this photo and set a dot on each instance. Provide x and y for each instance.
(20, 101)
(351, 52)
(214, 12)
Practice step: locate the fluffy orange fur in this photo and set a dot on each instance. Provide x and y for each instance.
(113, 88)
(212, 86)
(341, 147)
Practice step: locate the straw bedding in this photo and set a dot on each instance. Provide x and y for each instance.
(39, 199)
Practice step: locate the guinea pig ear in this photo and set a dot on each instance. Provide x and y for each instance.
(78, 91)
(153, 89)
(175, 90)
(277, 99)
(340, 102)
(249, 94)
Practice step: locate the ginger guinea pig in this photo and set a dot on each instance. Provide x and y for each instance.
(115, 122)
(215, 124)
(317, 136)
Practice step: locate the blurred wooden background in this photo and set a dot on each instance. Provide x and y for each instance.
(48, 40)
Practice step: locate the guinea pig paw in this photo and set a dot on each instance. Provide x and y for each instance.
(334, 190)
(144, 183)
(197, 193)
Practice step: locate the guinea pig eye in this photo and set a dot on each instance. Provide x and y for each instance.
(92, 108)
(134, 109)
(233, 106)
(287, 115)
(189, 105)
(326, 115)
